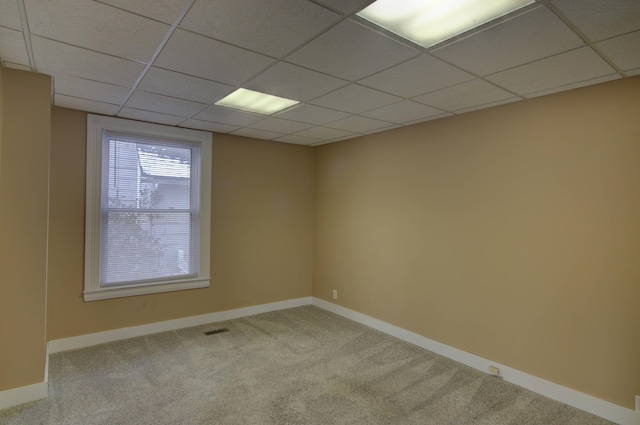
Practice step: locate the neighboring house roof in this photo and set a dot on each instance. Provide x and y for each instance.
(165, 163)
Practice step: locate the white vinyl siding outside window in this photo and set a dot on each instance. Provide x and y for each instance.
(148, 208)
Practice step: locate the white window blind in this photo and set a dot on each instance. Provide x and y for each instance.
(148, 208)
(149, 221)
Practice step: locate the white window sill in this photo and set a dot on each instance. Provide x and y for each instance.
(155, 288)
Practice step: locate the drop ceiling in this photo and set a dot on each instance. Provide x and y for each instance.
(169, 61)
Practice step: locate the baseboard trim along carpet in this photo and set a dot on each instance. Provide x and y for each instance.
(26, 394)
(579, 400)
(88, 340)
(596, 406)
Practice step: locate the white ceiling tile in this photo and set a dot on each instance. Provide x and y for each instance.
(297, 139)
(341, 138)
(489, 105)
(391, 127)
(352, 51)
(346, 6)
(270, 27)
(294, 82)
(96, 26)
(324, 133)
(576, 85)
(137, 114)
(88, 89)
(633, 72)
(624, 51)
(57, 58)
(12, 47)
(312, 114)
(463, 96)
(17, 66)
(403, 112)
(356, 124)
(161, 10)
(600, 19)
(434, 117)
(208, 126)
(525, 38)
(85, 105)
(164, 104)
(257, 134)
(355, 99)
(228, 116)
(567, 68)
(183, 86)
(417, 76)
(279, 125)
(203, 57)
(10, 16)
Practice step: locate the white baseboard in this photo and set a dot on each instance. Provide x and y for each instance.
(579, 400)
(88, 340)
(594, 405)
(16, 396)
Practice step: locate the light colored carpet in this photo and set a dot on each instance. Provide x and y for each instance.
(296, 366)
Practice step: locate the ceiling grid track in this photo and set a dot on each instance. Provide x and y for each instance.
(155, 54)
(27, 34)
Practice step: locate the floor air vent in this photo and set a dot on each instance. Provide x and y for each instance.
(217, 331)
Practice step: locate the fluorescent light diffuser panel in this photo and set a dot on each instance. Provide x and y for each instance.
(253, 101)
(428, 22)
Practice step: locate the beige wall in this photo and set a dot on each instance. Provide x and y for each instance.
(262, 229)
(1, 111)
(512, 233)
(23, 225)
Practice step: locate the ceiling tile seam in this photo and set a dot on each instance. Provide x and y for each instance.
(87, 49)
(560, 88)
(413, 99)
(26, 33)
(155, 55)
(192, 76)
(150, 111)
(285, 61)
(172, 97)
(131, 12)
(193, 115)
(84, 98)
(295, 49)
(350, 84)
(538, 60)
(476, 75)
(618, 35)
(284, 56)
(584, 37)
(355, 9)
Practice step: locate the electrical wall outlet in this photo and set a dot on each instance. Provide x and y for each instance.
(494, 371)
(335, 294)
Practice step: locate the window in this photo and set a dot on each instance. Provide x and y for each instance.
(148, 208)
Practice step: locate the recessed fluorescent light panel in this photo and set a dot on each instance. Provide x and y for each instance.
(428, 22)
(253, 101)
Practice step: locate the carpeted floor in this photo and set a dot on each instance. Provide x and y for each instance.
(296, 366)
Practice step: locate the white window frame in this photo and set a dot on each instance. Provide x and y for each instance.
(96, 126)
